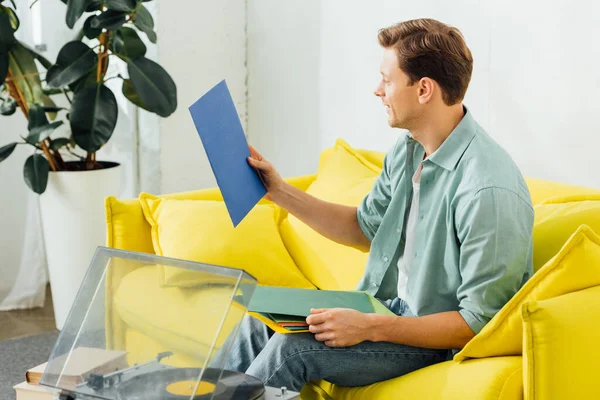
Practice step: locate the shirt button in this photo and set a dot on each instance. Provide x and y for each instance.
(375, 284)
(398, 230)
(386, 259)
(421, 218)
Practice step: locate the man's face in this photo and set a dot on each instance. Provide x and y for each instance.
(399, 98)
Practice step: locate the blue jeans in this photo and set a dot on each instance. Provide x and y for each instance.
(293, 360)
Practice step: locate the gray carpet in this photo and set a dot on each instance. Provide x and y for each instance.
(18, 355)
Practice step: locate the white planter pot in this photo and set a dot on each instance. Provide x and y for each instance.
(74, 224)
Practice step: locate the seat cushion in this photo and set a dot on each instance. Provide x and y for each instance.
(561, 346)
(184, 320)
(575, 267)
(344, 177)
(499, 378)
(201, 230)
(555, 221)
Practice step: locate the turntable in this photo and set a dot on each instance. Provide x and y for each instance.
(88, 363)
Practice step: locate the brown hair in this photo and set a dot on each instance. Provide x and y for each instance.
(429, 48)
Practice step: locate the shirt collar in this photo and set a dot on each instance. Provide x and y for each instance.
(452, 149)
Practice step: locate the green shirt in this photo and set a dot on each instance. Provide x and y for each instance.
(473, 241)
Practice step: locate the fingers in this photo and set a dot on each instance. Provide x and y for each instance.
(317, 310)
(316, 319)
(318, 328)
(255, 154)
(324, 337)
(259, 164)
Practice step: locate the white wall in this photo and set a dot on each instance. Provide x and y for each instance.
(535, 86)
(199, 45)
(13, 208)
(283, 82)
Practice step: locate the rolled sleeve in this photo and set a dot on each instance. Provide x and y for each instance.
(371, 210)
(495, 233)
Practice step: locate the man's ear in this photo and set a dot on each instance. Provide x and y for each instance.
(427, 88)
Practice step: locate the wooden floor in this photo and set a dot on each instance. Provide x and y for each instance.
(19, 323)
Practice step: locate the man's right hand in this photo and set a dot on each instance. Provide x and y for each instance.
(334, 221)
(270, 177)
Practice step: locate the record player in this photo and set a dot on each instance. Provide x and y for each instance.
(87, 364)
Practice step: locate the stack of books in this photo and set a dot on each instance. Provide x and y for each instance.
(82, 362)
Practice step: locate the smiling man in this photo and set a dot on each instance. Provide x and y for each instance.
(448, 226)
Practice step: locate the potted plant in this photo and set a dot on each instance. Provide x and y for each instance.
(64, 168)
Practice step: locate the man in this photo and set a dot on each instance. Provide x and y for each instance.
(448, 225)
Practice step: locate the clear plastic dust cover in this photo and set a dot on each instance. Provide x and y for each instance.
(149, 327)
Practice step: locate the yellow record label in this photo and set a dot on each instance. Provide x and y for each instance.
(186, 388)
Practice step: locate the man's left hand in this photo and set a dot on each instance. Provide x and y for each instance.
(339, 327)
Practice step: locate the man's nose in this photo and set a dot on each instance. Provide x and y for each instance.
(377, 92)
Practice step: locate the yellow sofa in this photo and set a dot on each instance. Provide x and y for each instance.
(557, 362)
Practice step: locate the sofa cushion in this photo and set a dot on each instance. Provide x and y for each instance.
(560, 338)
(575, 267)
(557, 218)
(147, 308)
(344, 177)
(542, 190)
(202, 231)
(499, 378)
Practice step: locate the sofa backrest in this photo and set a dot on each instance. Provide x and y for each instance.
(128, 229)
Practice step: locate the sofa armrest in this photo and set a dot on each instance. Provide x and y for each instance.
(560, 346)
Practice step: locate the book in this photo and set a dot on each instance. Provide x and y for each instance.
(222, 135)
(80, 363)
(285, 309)
(26, 391)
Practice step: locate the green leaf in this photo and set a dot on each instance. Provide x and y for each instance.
(7, 33)
(94, 5)
(8, 107)
(40, 133)
(35, 173)
(154, 86)
(53, 109)
(14, 20)
(7, 150)
(87, 80)
(52, 92)
(143, 16)
(37, 117)
(88, 31)
(144, 22)
(58, 143)
(43, 60)
(93, 117)
(74, 60)
(75, 9)
(109, 19)
(50, 107)
(38, 126)
(126, 42)
(131, 95)
(121, 5)
(26, 74)
(3, 66)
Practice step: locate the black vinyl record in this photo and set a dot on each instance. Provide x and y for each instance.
(167, 385)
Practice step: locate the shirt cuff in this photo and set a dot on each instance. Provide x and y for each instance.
(475, 321)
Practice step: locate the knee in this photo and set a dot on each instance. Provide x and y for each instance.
(285, 361)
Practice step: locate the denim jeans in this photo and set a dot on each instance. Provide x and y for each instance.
(292, 360)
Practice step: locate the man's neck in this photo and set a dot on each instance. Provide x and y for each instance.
(435, 128)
